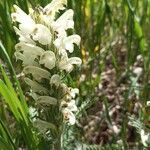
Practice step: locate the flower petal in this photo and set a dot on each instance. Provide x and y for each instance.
(72, 106)
(21, 17)
(65, 21)
(24, 37)
(55, 6)
(68, 42)
(46, 100)
(73, 92)
(26, 22)
(42, 34)
(75, 61)
(55, 79)
(29, 48)
(48, 59)
(69, 116)
(27, 59)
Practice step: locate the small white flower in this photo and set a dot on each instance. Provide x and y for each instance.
(64, 88)
(59, 43)
(148, 103)
(54, 7)
(74, 92)
(28, 53)
(66, 43)
(137, 71)
(24, 37)
(69, 116)
(47, 20)
(75, 61)
(67, 63)
(48, 59)
(144, 138)
(55, 79)
(72, 106)
(33, 113)
(42, 34)
(64, 22)
(26, 22)
(20, 16)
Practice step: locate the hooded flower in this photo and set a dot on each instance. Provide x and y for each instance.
(24, 37)
(27, 24)
(69, 116)
(144, 138)
(67, 63)
(64, 22)
(67, 43)
(48, 59)
(42, 34)
(73, 92)
(54, 7)
(55, 80)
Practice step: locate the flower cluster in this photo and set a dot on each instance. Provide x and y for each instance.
(68, 105)
(43, 48)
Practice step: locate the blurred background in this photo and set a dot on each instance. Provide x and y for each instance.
(114, 77)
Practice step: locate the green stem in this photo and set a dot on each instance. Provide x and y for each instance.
(57, 145)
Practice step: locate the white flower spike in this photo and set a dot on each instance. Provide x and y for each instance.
(43, 49)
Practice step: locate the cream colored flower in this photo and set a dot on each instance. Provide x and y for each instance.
(67, 43)
(56, 80)
(28, 53)
(48, 59)
(72, 106)
(69, 116)
(144, 138)
(54, 7)
(64, 22)
(67, 63)
(148, 103)
(26, 22)
(24, 37)
(29, 48)
(137, 71)
(42, 34)
(70, 40)
(74, 92)
(37, 33)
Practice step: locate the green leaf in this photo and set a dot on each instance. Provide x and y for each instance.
(37, 72)
(22, 98)
(5, 137)
(46, 100)
(44, 125)
(36, 87)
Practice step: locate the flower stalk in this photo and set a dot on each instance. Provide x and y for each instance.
(44, 48)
